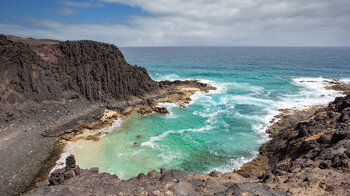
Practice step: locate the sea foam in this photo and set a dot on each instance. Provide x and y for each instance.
(152, 141)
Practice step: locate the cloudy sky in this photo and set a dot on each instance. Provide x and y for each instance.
(182, 22)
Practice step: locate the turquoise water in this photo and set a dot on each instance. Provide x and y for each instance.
(222, 129)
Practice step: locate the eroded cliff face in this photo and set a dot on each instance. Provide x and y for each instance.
(49, 90)
(40, 70)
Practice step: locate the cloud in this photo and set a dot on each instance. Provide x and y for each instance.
(70, 8)
(65, 11)
(81, 4)
(212, 22)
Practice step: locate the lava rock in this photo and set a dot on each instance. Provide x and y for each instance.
(161, 110)
(60, 176)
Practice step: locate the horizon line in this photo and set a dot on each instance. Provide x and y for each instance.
(194, 46)
(179, 46)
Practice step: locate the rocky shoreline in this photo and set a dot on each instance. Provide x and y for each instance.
(52, 91)
(307, 155)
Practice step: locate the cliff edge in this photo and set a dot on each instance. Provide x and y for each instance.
(50, 91)
(48, 70)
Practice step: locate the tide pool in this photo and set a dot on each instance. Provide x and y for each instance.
(222, 129)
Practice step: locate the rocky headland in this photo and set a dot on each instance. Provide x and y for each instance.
(51, 91)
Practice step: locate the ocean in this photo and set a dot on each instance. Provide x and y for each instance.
(222, 129)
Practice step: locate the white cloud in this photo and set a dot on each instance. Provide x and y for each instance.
(66, 11)
(212, 22)
(81, 4)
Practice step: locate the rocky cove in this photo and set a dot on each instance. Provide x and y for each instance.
(52, 90)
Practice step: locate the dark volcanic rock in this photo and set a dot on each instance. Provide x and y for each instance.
(46, 88)
(316, 149)
(161, 110)
(144, 111)
(67, 70)
(59, 176)
(99, 71)
(67, 181)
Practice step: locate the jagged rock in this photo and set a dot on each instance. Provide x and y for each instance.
(316, 147)
(144, 111)
(70, 162)
(325, 164)
(341, 134)
(161, 110)
(60, 176)
(173, 182)
(40, 70)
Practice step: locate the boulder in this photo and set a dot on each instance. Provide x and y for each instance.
(59, 176)
(144, 111)
(161, 110)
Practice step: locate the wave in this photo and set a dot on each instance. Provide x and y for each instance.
(170, 77)
(234, 163)
(169, 107)
(151, 142)
(245, 99)
(60, 163)
(313, 92)
(115, 125)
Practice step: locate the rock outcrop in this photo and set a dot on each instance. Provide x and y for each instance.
(59, 176)
(42, 70)
(161, 110)
(50, 90)
(67, 181)
(312, 156)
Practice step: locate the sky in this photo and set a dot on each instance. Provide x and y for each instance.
(182, 22)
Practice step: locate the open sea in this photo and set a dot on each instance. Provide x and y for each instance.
(222, 129)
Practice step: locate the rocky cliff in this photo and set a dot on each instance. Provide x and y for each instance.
(51, 90)
(41, 70)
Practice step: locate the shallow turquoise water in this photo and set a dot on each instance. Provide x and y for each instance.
(222, 129)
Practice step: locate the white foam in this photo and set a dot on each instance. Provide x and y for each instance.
(235, 163)
(245, 99)
(116, 124)
(221, 88)
(152, 140)
(248, 87)
(61, 162)
(170, 77)
(170, 156)
(202, 98)
(314, 92)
